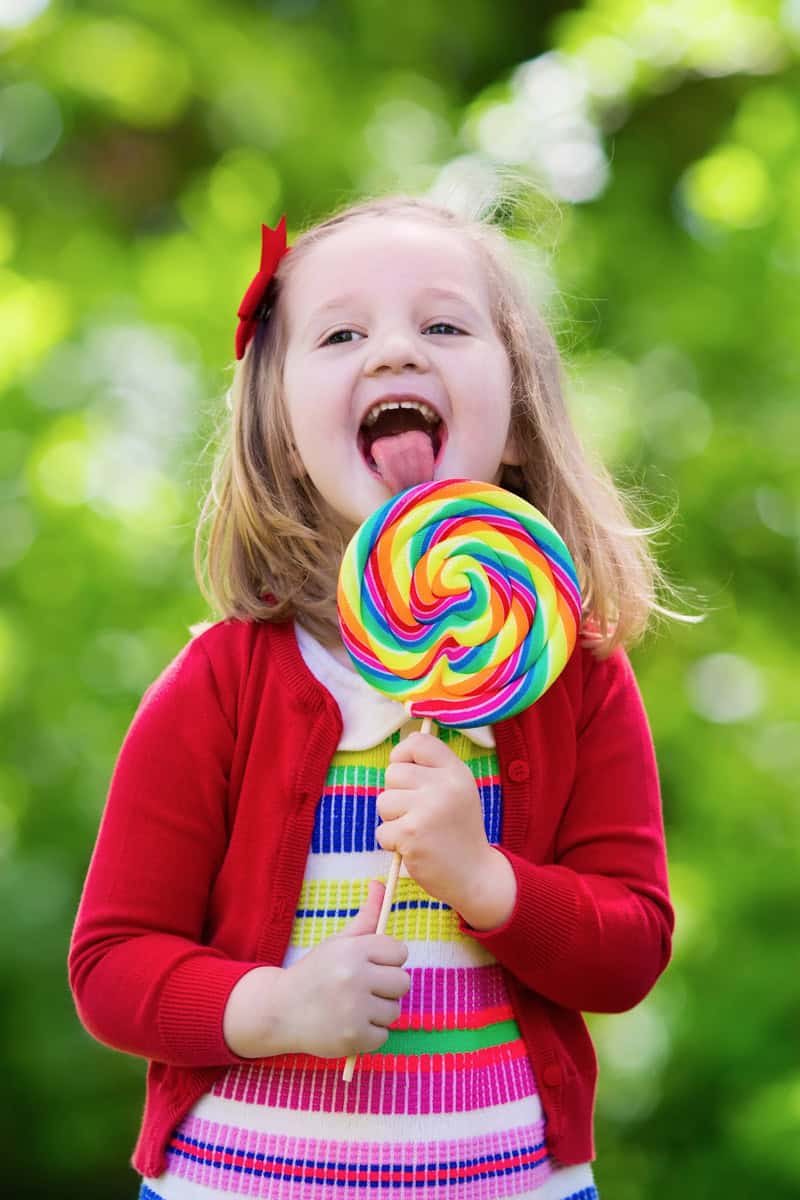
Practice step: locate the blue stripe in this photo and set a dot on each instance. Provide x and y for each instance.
(347, 818)
(409, 1169)
(492, 805)
(351, 912)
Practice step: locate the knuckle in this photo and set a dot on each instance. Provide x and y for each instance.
(378, 1037)
(343, 972)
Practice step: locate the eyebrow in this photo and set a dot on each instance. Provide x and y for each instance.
(348, 298)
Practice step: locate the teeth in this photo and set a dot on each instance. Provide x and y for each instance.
(430, 416)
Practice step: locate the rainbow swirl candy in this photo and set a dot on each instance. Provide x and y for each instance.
(460, 599)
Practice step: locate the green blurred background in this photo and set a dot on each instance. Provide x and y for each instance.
(141, 144)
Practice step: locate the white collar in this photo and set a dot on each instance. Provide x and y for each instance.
(368, 717)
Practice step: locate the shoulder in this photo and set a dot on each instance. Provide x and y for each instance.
(589, 692)
(211, 670)
(591, 681)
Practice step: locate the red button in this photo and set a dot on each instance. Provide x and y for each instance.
(518, 770)
(551, 1076)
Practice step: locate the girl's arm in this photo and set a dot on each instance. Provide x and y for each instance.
(141, 978)
(593, 931)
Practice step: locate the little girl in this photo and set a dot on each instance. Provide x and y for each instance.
(226, 930)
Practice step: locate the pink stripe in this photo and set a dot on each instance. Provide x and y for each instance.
(436, 992)
(459, 1085)
(278, 1166)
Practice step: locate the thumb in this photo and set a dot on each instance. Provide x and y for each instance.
(366, 919)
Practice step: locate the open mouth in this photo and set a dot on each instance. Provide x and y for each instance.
(392, 418)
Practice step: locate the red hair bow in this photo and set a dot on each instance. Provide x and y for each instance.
(273, 248)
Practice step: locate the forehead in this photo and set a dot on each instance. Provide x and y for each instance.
(387, 254)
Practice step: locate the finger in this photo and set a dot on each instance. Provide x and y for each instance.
(389, 982)
(386, 835)
(366, 919)
(385, 951)
(391, 805)
(383, 1012)
(423, 749)
(399, 775)
(374, 1038)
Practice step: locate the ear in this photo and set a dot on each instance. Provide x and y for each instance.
(512, 456)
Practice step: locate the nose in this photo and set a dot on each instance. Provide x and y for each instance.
(393, 351)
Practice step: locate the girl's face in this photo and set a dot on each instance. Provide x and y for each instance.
(393, 312)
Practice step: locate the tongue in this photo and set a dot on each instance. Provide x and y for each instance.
(404, 459)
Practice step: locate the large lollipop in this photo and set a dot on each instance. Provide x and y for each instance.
(460, 600)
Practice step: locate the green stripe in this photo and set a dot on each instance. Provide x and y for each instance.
(449, 1041)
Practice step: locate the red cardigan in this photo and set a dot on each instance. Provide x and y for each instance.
(202, 848)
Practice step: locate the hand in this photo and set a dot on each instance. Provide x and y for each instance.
(431, 814)
(339, 999)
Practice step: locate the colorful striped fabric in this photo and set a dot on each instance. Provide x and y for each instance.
(447, 1107)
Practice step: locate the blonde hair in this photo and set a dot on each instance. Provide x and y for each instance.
(272, 549)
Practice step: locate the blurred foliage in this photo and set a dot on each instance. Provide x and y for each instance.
(141, 143)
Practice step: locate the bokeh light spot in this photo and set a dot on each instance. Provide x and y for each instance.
(730, 188)
(777, 511)
(30, 124)
(11, 657)
(60, 467)
(601, 391)
(18, 529)
(33, 317)
(767, 120)
(16, 13)
(244, 190)
(677, 424)
(610, 66)
(144, 78)
(725, 688)
(776, 747)
(546, 125)
(403, 133)
(174, 274)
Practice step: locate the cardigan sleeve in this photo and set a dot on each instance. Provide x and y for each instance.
(592, 931)
(141, 978)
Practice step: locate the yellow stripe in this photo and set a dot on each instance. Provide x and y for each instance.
(482, 762)
(409, 926)
(335, 898)
(377, 757)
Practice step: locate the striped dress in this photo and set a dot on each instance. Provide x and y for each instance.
(447, 1108)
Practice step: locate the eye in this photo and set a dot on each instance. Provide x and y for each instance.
(340, 336)
(442, 327)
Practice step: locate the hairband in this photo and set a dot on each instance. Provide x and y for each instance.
(273, 248)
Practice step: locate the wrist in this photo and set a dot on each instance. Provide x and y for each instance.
(492, 894)
(253, 1021)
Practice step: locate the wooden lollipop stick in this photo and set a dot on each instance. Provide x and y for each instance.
(386, 908)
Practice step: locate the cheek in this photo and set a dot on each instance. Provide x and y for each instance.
(491, 372)
(303, 410)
